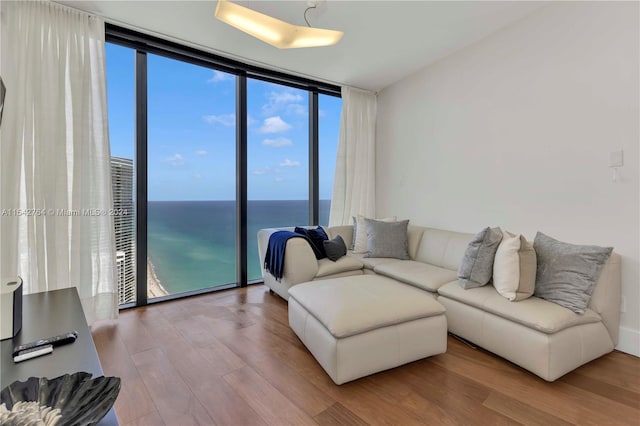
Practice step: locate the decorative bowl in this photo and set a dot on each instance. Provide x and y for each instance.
(80, 399)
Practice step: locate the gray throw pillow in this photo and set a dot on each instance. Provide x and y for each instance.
(476, 269)
(335, 248)
(387, 239)
(567, 273)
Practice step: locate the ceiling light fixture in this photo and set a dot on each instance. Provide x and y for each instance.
(280, 34)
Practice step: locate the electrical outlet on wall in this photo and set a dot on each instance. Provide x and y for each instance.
(616, 158)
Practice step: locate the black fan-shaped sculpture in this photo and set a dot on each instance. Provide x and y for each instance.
(80, 399)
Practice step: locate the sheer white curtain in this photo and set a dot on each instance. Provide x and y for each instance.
(354, 182)
(55, 156)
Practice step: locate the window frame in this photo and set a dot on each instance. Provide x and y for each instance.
(144, 44)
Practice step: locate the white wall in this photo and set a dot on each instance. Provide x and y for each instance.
(515, 131)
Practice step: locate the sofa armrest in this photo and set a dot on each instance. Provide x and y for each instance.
(300, 263)
(606, 296)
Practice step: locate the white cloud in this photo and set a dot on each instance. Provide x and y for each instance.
(279, 100)
(261, 171)
(176, 160)
(296, 109)
(201, 152)
(227, 120)
(279, 179)
(289, 163)
(274, 125)
(277, 142)
(197, 176)
(220, 76)
(283, 97)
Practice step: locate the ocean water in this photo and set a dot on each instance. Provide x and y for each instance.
(192, 244)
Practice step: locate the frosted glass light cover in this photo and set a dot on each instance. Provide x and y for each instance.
(280, 34)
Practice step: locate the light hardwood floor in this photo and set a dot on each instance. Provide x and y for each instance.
(230, 358)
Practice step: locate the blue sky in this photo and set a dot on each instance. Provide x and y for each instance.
(191, 131)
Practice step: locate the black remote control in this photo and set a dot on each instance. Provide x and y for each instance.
(61, 339)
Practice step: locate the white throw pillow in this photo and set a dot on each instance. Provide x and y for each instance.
(514, 267)
(360, 232)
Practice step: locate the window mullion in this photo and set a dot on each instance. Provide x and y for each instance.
(314, 191)
(141, 177)
(241, 179)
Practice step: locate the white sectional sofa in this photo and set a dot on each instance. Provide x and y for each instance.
(540, 336)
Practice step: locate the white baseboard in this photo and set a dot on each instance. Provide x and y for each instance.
(629, 341)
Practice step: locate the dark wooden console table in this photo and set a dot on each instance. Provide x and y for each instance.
(45, 315)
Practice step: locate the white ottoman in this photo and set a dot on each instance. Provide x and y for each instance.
(356, 326)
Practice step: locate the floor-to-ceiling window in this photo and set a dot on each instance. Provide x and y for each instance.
(329, 109)
(277, 161)
(191, 177)
(215, 150)
(121, 107)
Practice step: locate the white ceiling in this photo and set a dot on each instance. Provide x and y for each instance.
(384, 41)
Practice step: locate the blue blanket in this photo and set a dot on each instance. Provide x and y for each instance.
(274, 258)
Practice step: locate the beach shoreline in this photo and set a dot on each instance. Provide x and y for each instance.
(154, 286)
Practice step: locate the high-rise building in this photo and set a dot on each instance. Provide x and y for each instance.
(120, 276)
(124, 223)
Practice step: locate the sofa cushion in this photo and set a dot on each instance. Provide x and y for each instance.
(387, 239)
(344, 264)
(567, 273)
(354, 305)
(418, 274)
(441, 248)
(371, 262)
(414, 237)
(533, 312)
(476, 268)
(514, 268)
